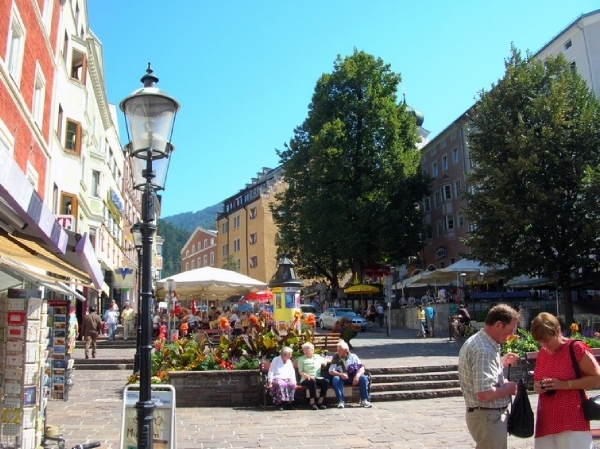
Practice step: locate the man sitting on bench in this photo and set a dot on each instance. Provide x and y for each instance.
(346, 369)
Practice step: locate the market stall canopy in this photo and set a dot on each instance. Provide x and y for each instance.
(361, 289)
(260, 296)
(210, 283)
(525, 281)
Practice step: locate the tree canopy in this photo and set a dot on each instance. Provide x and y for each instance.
(353, 173)
(535, 139)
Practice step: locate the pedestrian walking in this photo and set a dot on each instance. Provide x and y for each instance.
(430, 318)
(127, 320)
(111, 316)
(480, 371)
(90, 330)
(380, 314)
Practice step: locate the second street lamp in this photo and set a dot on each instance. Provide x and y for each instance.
(149, 114)
(137, 243)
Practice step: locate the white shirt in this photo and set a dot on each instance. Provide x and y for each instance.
(280, 370)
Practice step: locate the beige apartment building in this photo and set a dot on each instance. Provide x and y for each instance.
(246, 230)
(200, 250)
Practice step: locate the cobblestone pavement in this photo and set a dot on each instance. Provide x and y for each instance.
(95, 408)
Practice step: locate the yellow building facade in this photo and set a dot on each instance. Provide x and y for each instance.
(246, 230)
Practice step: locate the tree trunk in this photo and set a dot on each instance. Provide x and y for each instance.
(568, 305)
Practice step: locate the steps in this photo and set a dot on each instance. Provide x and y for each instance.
(104, 364)
(401, 384)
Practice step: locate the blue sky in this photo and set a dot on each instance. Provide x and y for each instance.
(244, 71)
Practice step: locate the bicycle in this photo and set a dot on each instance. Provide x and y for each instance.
(60, 442)
(460, 330)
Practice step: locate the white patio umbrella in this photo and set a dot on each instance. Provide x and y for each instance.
(210, 283)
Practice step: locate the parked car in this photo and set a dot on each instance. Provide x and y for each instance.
(328, 318)
(307, 308)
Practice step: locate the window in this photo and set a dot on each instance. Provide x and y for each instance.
(187, 266)
(457, 188)
(455, 155)
(434, 169)
(187, 253)
(225, 250)
(68, 206)
(225, 227)
(95, 184)
(568, 44)
(446, 192)
(437, 199)
(452, 137)
(78, 66)
(236, 222)
(253, 213)
(47, 14)
(253, 262)
(442, 144)
(236, 245)
(39, 90)
(205, 243)
(427, 204)
(59, 121)
(439, 227)
(32, 175)
(205, 259)
(65, 50)
(194, 264)
(193, 248)
(461, 219)
(573, 66)
(92, 235)
(212, 259)
(73, 136)
(449, 222)
(16, 45)
(445, 162)
(429, 232)
(253, 238)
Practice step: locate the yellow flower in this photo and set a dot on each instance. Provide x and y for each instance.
(574, 327)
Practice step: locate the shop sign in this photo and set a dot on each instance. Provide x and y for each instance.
(124, 278)
(66, 221)
(163, 417)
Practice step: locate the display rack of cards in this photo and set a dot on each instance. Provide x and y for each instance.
(23, 350)
(61, 362)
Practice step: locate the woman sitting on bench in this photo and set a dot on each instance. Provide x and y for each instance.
(309, 367)
(281, 379)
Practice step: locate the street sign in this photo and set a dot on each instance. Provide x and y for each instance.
(163, 397)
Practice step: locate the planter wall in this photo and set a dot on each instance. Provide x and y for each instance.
(239, 388)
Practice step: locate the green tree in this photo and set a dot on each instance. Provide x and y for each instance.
(230, 263)
(536, 143)
(174, 239)
(353, 174)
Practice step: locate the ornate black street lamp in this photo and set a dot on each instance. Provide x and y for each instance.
(149, 114)
(138, 243)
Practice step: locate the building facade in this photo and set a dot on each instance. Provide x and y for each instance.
(446, 157)
(246, 230)
(200, 250)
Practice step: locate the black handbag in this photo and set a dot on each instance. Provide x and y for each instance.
(520, 421)
(591, 406)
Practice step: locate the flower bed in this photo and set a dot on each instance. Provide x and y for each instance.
(261, 341)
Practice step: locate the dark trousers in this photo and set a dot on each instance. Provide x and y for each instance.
(312, 385)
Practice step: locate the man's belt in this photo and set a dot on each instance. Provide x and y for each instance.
(498, 409)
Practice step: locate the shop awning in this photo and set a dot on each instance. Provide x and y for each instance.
(13, 274)
(64, 289)
(31, 252)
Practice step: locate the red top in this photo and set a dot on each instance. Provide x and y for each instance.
(561, 411)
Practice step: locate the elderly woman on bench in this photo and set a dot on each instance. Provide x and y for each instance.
(309, 367)
(281, 379)
(346, 369)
